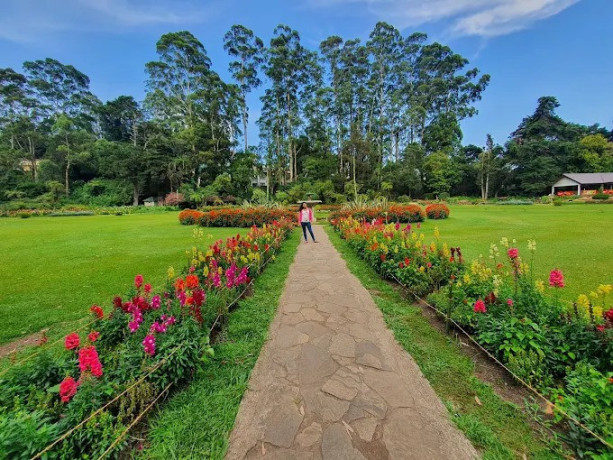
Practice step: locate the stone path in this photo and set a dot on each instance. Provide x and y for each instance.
(332, 383)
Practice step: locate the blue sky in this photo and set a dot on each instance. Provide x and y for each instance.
(531, 48)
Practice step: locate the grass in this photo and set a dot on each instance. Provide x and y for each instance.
(197, 422)
(54, 269)
(499, 429)
(575, 239)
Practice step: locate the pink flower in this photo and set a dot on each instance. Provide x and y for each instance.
(149, 344)
(156, 301)
(397, 226)
(133, 325)
(138, 281)
(510, 302)
(480, 306)
(89, 361)
(147, 288)
(93, 336)
(600, 328)
(513, 253)
(556, 279)
(68, 388)
(71, 341)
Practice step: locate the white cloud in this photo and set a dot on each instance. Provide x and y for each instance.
(37, 20)
(486, 18)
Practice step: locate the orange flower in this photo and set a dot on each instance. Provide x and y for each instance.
(192, 281)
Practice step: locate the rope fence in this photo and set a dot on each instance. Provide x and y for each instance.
(497, 361)
(156, 367)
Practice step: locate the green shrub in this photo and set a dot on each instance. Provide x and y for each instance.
(600, 196)
(443, 196)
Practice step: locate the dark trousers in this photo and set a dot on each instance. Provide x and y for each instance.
(305, 226)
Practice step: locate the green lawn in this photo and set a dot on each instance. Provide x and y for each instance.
(54, 269)
(575, 238)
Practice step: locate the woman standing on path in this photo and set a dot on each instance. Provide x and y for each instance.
(305, 217)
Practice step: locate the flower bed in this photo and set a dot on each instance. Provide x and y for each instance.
(82, 400)
(565, 351)
(394, 213)
(437, 211)
(235, 217)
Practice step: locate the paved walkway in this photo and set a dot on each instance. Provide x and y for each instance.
(332, 383)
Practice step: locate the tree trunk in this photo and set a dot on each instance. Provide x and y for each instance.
(135, 194)
(66, 174)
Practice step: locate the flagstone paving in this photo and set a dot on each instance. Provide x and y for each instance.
(332, 383)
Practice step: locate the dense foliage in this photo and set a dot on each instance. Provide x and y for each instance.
(563, 350)
(145, 343)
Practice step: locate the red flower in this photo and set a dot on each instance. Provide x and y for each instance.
(600, 328)
(407, 261)
(513, 253)
(97, 311)
(480, 307)
(382, 257)
(490, 298)
(68, 388)
(93, 336)
(609, 315)
(510, 302)
(192, 281)
(138, 281)
(180, 285)
(400, 264)
(117, 302)
(89, 361)
(71, 341)
(556, 279)
(147, 288)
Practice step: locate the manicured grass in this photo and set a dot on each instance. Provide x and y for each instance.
(54, 269)
(576, 239)
(197, 422)
(499, 429)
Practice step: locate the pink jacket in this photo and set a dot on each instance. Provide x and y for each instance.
(310, 215)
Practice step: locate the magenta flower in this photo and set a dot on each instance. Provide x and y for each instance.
(510, 302)
(149, 344)
(480, 306)
(513, 253)
(133, 325)
(156, 301)
(556, 279)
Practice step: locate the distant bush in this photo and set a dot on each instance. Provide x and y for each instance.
(600, 196)
(437, 211)
(404, 199)
(235, 217)
(393, 213)
(443, 196)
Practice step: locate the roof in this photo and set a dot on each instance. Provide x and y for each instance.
(590, 178)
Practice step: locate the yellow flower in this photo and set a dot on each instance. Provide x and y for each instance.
(437, 234)
(220, 270)
(194, 262)
(171, 273)
(593, 295)
(598, 311)
(205, 272)
(504, 241)
(540, 286)
(422, 269)
(433, 246)
(466, 278)
(446, 251)
(532, 245)
(604, 289)
(583, 301)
